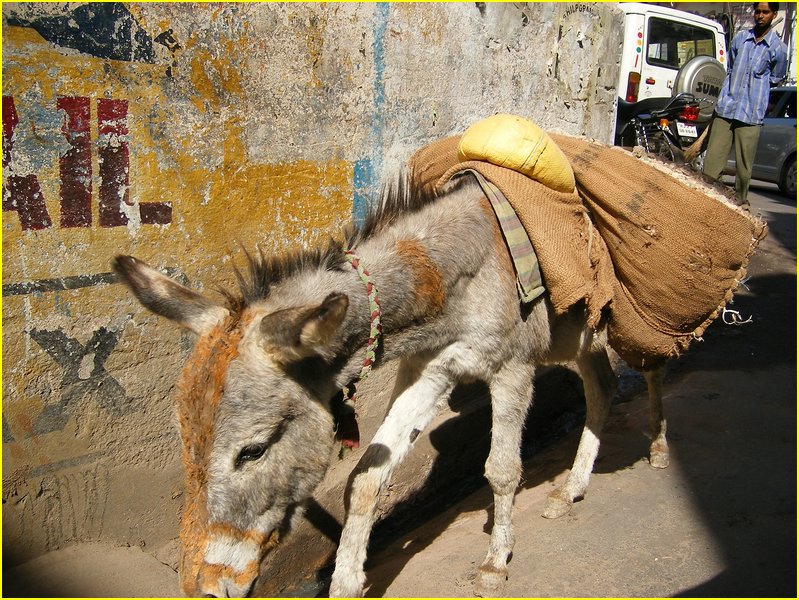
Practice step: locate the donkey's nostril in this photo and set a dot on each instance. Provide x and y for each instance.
(209, 596)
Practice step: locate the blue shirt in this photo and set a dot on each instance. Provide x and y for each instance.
(752, 69)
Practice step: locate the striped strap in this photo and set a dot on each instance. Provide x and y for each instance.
(528, 274)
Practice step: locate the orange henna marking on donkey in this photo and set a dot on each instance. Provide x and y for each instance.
(213, 573)
(429, 290)
(245, 535)
(198, 393)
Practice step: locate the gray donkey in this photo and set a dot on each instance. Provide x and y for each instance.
(256, 399)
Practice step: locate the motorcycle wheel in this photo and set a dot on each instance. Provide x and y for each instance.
(661, 148)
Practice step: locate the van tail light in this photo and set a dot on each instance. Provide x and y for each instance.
(690, 113)
(633, 81)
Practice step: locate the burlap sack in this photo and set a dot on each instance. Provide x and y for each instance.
(660, 257)
(678, 251)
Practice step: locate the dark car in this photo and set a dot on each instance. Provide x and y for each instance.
(775, 159)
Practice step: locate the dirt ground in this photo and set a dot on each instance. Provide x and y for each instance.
(720, 521)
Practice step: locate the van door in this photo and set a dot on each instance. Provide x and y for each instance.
(668, 45)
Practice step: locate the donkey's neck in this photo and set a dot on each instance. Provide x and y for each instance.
(419, 265)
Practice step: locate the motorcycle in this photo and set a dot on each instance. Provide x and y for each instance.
(667, 132)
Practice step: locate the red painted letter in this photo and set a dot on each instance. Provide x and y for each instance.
(21, 193)
(76, 164)
(112, 117)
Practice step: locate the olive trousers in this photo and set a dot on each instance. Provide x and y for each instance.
(725, 134)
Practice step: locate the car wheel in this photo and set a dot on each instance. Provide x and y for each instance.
(788, 178)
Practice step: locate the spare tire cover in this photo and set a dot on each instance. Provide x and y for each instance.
(703, 77)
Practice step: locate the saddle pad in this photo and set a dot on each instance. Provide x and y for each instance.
(572, 257)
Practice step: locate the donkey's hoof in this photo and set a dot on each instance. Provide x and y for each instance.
(659, 459)
(490, 581)
(557, 506)
(347, 586)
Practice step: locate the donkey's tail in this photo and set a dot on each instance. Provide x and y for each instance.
(698, 146)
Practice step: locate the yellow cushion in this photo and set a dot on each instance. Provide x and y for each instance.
(519, 144)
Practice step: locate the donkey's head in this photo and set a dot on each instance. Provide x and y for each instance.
(255, 425)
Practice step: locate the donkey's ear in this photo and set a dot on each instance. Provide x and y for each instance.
(168, 298)
(296, 333)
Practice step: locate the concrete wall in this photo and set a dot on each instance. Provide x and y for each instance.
(176, 132)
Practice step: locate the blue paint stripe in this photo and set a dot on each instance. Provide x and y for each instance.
(379, 53)
(365, 169)
(361, 185)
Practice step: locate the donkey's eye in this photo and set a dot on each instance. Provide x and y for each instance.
(250, 453)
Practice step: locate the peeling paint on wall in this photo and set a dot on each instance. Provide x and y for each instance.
(180, 133)
(105, 30)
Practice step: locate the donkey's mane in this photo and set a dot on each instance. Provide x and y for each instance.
(402, 196)
(405, 194)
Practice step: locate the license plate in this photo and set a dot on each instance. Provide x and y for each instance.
(686, 130)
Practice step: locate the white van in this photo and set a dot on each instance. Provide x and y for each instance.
(665, 52)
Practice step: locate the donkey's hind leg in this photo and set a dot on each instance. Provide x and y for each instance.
(658, 447)
(511, 395)
(599, 383)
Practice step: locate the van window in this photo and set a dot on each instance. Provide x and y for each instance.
(672, 44)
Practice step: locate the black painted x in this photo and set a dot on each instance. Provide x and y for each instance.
(69, 353)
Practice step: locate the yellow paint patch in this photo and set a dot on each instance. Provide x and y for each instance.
(220, 198)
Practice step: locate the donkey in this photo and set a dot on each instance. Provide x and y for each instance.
(256, 399)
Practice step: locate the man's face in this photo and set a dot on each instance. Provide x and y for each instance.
(763, 15)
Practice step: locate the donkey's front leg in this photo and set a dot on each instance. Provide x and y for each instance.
(511, 395)
(410, 413)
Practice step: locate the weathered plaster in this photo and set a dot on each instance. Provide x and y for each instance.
(181, 132)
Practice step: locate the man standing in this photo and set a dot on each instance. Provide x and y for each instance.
(757, 60)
